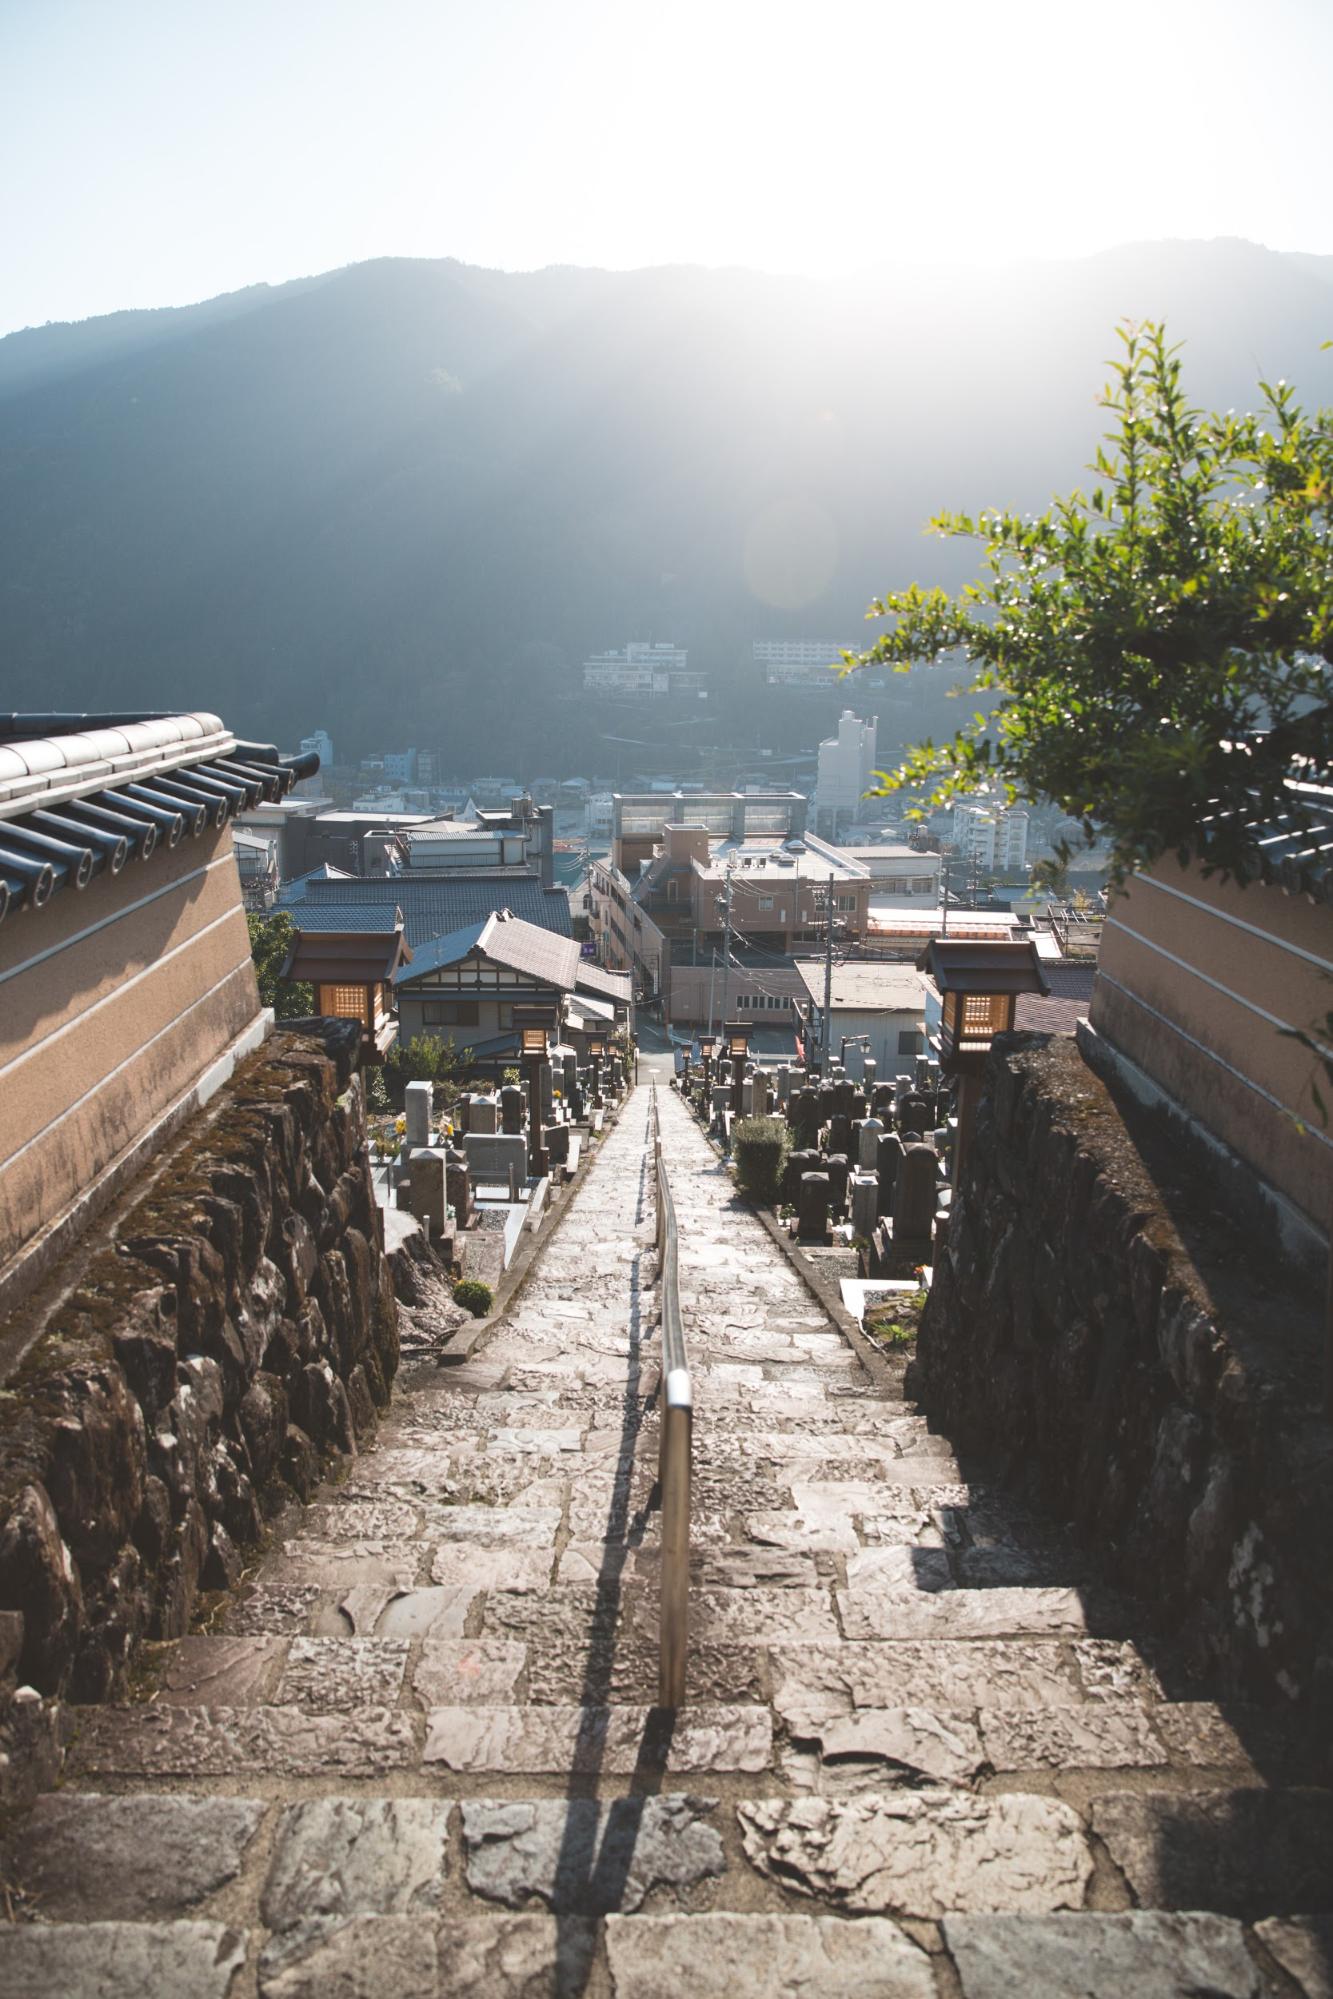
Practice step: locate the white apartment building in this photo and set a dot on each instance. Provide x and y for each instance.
(994, 837)
(796, 662)
(846, 773)
(648, 672)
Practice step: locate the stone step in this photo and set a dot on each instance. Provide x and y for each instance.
(610, 1741)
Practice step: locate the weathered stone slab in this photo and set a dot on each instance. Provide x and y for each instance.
(614, 1740)
(1303, 1946)
(413, 1613)
(834, 1679)
(225, 1742)
(876, 1612)
(583, 1857)
(333, 1565)
(233, 1672)
(802, 1534)
(1241, 1852)
(543, 1443)
(459, 1565)
(1201, 1736)
(524, 1526)
(1114, 1669)
(326, 1674)
(923, 1853)
(356, 1856)
(85, 1858)
(615, 1669)
(749, 1616)
(899, 1568)
(466, 1671)
(945, 1748)
(764, 1957)
(757, 1568)
(515, 1957)
(363, 1957)
(119, 1960)
(351, 1519)
(1095, 1736)
(1101, 1956)
(272, 1610)
(564, 1619)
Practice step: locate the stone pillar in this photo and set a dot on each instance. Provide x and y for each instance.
(428, 1193)
(459, 1187)
(484, 1116)
(869, 1069)
(839, 1169)
(888, 1158)
(867, 1144)
(865, 1203)
(914, 1201)
(418, 1101)
(511, 1109)
(462, 1112)
(812, 1207)
(547, 1092)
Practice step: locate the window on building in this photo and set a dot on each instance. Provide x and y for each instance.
(910, 1042)
(845, 902)
(765, 902)
(344, 1002)
(450, 1013)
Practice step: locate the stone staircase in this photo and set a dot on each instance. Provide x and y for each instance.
(925, 1753)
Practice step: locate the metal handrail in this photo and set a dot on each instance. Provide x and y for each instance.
(675, 1441)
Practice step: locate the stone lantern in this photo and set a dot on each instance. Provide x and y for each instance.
(737, 1037)
(979, 985)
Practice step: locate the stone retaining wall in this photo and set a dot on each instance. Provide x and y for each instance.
(233, 1328)
(1174, 1420)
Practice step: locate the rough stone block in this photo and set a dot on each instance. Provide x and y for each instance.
(1241, 1852)
(764, 1957)
(588, 1858)
(1101, 1956)
(364, 1957)
(119, 1960)
(327, 1674)
(609, 1740)
(85, 1858)
(356, 1856)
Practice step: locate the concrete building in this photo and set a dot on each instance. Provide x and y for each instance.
(639, 820)
(846, 773)
(127, 991)
(643, 672)
(799, 663)
(878, 1009)
(991, 838)
(899, 876)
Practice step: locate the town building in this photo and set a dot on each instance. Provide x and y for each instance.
(846, 773)
(990, 838)
(875, 1010)
(127, 990)
(643, 672)
(811, 664)
(463, 987)
(430, 906)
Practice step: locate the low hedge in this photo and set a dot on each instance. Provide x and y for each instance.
(759, 1146)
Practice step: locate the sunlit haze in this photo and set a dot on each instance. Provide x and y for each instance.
(161, 151)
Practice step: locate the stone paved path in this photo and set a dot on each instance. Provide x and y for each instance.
(923, 1755)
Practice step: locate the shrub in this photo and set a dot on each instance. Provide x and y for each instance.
(759, 1146)
(473, 1296)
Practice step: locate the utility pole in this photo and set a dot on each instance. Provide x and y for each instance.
(826, 1038)
(726, 950)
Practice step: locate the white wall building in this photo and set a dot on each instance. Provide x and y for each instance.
(846, 772)
(648, 672)
(797, 662)
(991, 837)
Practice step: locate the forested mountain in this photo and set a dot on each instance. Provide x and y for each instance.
(405, 499)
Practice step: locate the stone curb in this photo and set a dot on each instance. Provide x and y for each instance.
(468, 1340)
(824, 1290)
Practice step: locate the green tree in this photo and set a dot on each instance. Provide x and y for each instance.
(271, 940)
(1156, 651)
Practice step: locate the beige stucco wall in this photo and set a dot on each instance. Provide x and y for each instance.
(113, 1001)
(1196, 980)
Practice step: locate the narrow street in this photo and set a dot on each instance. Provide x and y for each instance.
(924, 1753)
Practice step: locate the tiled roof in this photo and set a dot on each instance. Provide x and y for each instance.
(522, 947)
(868, 987)
(432, 908)
(611, 985)
(79, 802)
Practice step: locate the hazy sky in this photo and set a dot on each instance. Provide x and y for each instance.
(158, 151)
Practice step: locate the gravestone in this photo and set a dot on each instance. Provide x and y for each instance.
(721, 1105)
(484, 1115)
(840, 1133)
(458, 1186)
(864, 1203)
(784, 1086)
(882, 1102)
(428, 1192)
(547, 1098)
(888, 1158)
(914, 1202)
(804, 1112)
(512, 1104)
(493, 1159)
(812, 1207)
(747, 1097)
(860, 1105)
(462, 1110)
(869, 1070)
(868, 1136)
(556, 1140)
(418, 1102)
(915, 1114)
(569, 1063)
(839, 1168)
(828, 1103)
(845, 1091)
(798, 1164)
